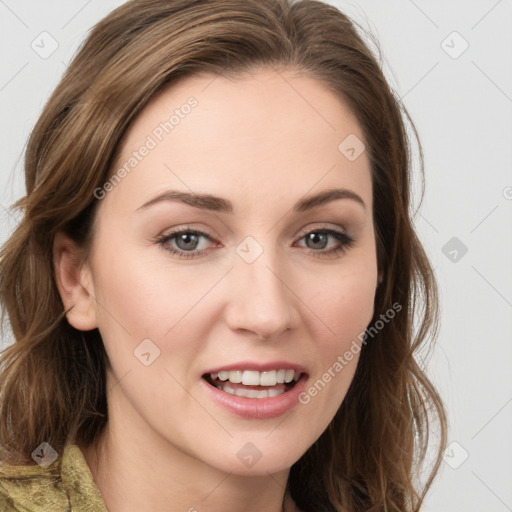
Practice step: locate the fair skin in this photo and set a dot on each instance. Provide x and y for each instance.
(263, 143)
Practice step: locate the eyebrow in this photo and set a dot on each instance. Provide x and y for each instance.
(219, 204)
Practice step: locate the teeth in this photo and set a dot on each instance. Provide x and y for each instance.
(235, 377)
(227, 389)
(268, 378)
(251, 378)
(251, 393)
(255, 378)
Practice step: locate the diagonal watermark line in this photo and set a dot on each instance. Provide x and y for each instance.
(111, 316)
(216, 487)
(198, 301)
(199, 403)
(486, 14)
(496, 496)
(215, 215)
(305, 99)
(76, 14)
(491, 80)
(100, 305)
(8, 212)
(167, 167)
(332, 332)
(95, 96)
(493, 287)
(424, 13)
(279, 424)
(211, 81)
(501, 409)
(493, 210)
(110, 389)
(307, 192)
(14, 76)
(277, 482)
(420, 80)
(7, 7)
(429, 223)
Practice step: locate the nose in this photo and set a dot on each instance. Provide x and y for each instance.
(262, 300)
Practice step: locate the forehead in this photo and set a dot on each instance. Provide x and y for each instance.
(258, 135)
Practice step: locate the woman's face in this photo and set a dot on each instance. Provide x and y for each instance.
(237, 244)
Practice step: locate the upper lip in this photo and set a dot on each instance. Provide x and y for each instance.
(258, 366)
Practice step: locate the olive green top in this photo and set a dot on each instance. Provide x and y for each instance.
(65, 486)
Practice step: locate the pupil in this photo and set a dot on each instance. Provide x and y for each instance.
(318, 239)
(187, 241)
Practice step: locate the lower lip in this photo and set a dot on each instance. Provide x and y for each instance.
(257, 408)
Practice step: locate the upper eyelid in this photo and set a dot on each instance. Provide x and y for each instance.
(325, 225)
(203, 233)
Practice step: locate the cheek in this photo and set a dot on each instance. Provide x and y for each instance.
(347, 315)
(345, 308)
(140, 299)
(346, 304)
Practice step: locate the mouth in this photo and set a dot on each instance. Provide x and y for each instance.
(254, 384)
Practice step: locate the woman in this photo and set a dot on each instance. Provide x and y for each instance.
(213, 287)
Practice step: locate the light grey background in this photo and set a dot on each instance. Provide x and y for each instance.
(461, 104)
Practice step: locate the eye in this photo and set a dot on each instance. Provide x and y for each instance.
(318, 241)
(184, 242)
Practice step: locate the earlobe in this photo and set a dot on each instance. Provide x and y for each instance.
(74, 282)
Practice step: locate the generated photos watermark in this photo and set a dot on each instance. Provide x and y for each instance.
(344, 359)
(156, 136)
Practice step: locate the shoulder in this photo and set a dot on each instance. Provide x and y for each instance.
(63, 486)
(29, 488)
(6, 503)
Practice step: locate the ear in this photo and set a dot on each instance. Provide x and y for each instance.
(74, 281)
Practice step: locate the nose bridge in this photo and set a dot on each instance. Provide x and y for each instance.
(262, 302)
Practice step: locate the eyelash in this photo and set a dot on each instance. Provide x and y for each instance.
(345, 240)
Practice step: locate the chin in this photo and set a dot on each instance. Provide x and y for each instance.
(259, 454)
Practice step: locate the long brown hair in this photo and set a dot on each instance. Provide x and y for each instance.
(53, 386)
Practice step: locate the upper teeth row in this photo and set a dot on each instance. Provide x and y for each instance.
(254, 378)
